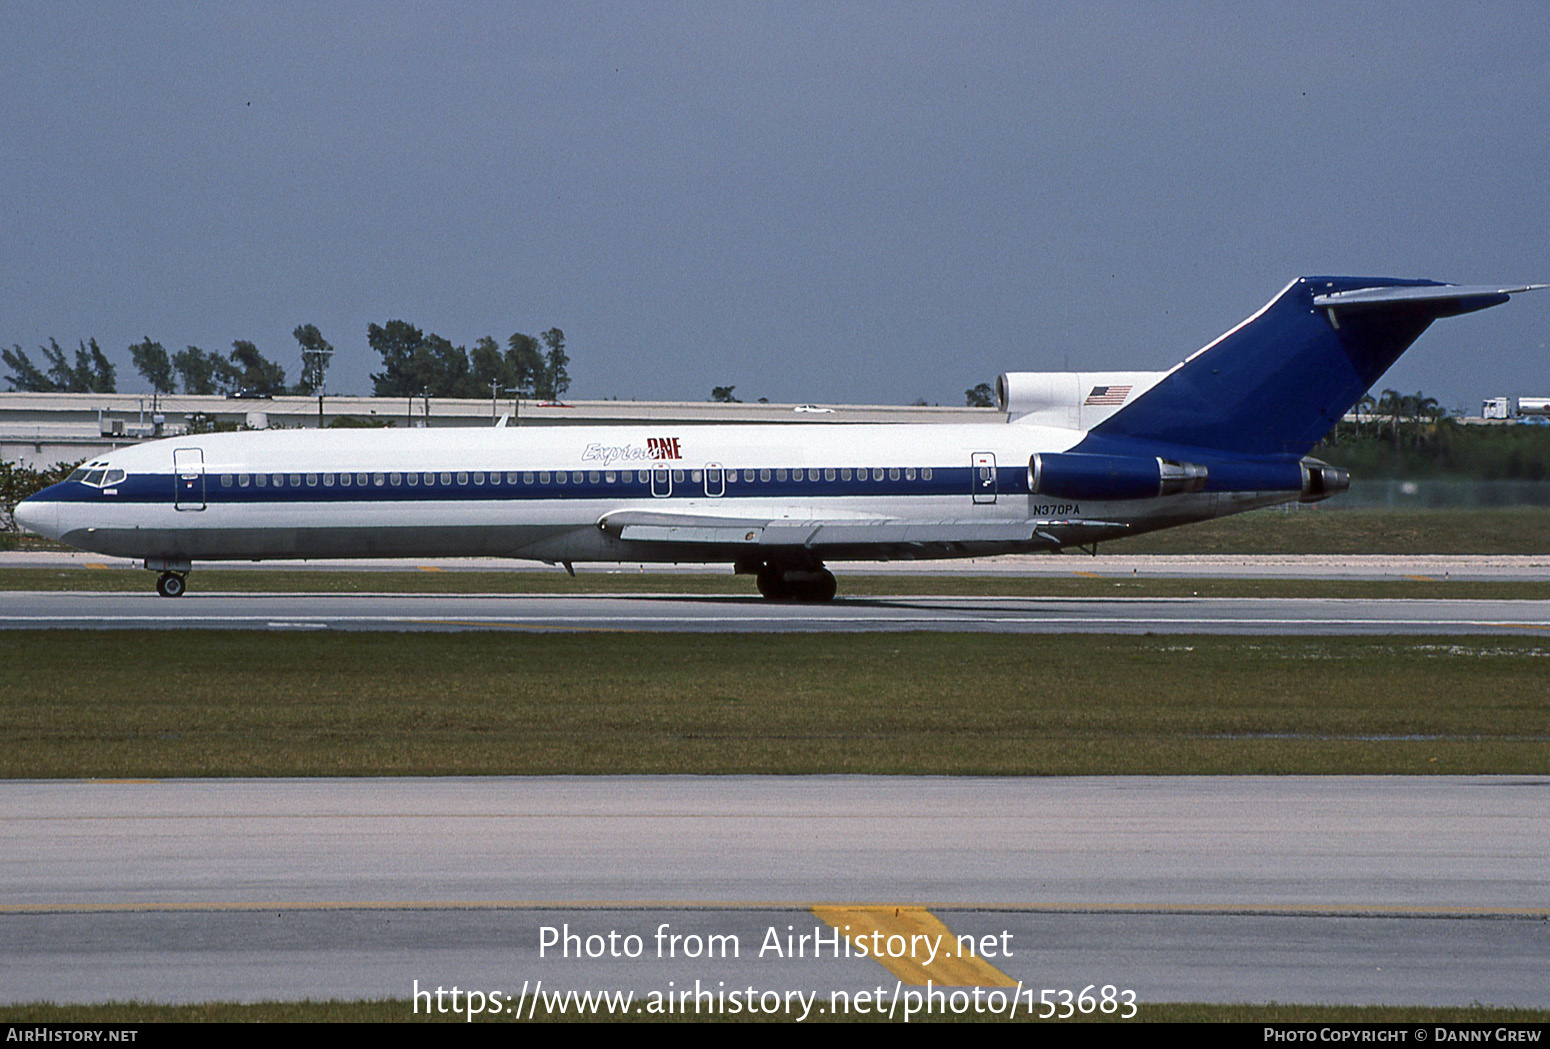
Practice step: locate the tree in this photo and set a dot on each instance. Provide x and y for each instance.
(555, 380)
(204, 373)
(398, 342)
(255, 374)
(315, 355)
(527, 363)
(25, 375)
(153, 364)
(489, 368)
(416, 363)
(723, 395)
(981, 396)
(91, 373)
(448, 370)
(17, 482)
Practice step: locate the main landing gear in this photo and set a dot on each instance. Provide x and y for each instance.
(809, 585)
(170, 584)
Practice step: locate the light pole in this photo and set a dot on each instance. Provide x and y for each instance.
(318, 361)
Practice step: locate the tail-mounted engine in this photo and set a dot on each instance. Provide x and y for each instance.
(1076, 475)
(1321, 480)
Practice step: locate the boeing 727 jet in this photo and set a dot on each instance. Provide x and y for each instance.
(1080, 458)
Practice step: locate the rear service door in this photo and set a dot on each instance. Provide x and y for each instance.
(983, 477)
(188, 467)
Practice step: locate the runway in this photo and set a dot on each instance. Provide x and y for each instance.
(668, 613)
(1429, 890)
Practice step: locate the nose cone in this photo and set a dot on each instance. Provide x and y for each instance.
(40, 515)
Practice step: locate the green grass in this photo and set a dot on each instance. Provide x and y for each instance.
(401, 1011)
(229, 703)
(286, 581)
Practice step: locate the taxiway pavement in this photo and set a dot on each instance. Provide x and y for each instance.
(668, 612)
(1425, 890)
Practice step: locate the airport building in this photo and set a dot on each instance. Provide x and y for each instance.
(42, 429)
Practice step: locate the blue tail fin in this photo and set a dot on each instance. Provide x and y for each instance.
(1278, 382)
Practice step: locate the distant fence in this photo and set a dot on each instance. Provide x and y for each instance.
(1440, 495)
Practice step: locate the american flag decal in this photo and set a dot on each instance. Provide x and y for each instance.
(1107, 395)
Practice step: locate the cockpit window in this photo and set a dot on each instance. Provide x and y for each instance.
(113, 477)
(94, 476)
(76, 476)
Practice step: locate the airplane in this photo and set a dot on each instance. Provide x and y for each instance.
(1081, 458)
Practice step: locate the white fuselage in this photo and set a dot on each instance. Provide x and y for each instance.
(680, 493)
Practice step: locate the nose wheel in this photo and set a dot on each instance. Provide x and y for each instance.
(170, 584)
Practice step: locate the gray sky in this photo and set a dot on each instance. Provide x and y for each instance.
(812, 202)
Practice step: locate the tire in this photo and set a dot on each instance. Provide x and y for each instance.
(772, 585)
(170, 584)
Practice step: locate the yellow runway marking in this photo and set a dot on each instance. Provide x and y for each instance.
(1421, 578)
(1088, 575)
(429, 568)
(910, 931)
(94, 564)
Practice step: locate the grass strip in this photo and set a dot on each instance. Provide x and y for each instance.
(286, 581)
(132, 704)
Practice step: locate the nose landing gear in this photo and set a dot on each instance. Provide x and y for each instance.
(174, 572)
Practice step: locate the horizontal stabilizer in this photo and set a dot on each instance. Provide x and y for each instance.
(1433, 293)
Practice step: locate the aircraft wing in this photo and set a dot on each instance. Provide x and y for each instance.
(802, 529)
